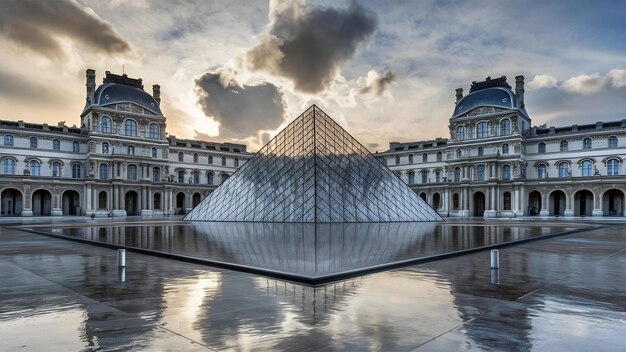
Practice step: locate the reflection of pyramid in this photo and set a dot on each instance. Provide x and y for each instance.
(313, 171)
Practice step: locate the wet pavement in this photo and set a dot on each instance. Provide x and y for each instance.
(565, 293)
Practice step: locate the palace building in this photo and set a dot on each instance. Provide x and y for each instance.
(118, 162)
(496, 164)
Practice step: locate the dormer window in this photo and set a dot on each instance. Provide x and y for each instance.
(154, 131)
(105, 124)
(130, 128)
(505, 127)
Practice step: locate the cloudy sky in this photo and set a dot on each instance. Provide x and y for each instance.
(239, 70)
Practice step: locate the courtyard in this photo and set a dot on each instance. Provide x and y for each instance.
(564, 292)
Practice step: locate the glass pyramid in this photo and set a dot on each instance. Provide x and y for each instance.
(313, 171)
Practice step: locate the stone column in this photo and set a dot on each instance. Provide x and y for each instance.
(597, 203)
(88, 205)
(545, 203)
(116, 198)
(569, 201)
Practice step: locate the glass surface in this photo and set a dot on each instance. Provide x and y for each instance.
(313, 171)
(312, 251)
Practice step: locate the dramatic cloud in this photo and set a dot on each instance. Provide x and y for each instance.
(42, 26)
(309, 45)
(618, 78)
(543, 81)
(241, 110)
(585, 83)
(13, 87)
(377, 84)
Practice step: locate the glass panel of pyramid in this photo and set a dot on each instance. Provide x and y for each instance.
(313, 171)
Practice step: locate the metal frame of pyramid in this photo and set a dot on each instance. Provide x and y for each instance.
(313, 171)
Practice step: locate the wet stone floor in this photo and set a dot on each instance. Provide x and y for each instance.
(566, 293)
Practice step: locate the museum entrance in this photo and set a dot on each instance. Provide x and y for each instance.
(131, 203)
(613, 203)
(479, 204)
(180, 203)
(534, 203)
(42, 203)
(557, 203)
(11, 202)
(583, 203)
(71, 203)
(196, 199)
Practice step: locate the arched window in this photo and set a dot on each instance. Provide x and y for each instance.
(105, 148)
(130, 128)
(480, 173)
(437, 176)
(457, 174)
(195, 158)
(587, 143)
(76, 147)
(131, 172)
(425, 157)
(33, 142)
(397, 160)
(35, 168)
(209, 178)
(505, 148)
(8, 140)
(106, 125)
(210, 159)
(157, 201)
(505, 127)
(8, 166)
(612, 167)
(102, 200)
(455, 201)
(481, 151)
(223, 161)
(104, 171)
(156, 174)
(460, 133)
(181, 157)
(459, 153)
(541, 171)
(507, 201)
(76, 171)
(587, 167)
(564, 145)
(612, 142)
(154, 131)
(131, 150)
(154, 152)
(482, 130)
(410, 158)
(541, 147)
(56, 144)
(563, 170)
(439, 156)
(196, 177)
(411, 177)
(181, 176)
(236, 161)
(56, 169)
(224, 177)
(424, 176)
(506, 172)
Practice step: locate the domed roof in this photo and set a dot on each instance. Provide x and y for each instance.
(111, 93)
(494, 96)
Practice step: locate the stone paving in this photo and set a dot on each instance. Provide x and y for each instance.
(566, 293)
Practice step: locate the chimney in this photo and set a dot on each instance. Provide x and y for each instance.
(91, 85)
(156, 93)
(459, 95)
(519, 90)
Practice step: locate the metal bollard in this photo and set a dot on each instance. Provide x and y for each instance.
(121, 257)
(495, 259)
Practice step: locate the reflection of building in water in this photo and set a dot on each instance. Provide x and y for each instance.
(308, 250)
(495, 164)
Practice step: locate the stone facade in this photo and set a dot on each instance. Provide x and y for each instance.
(496, 165)
(118, 162)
